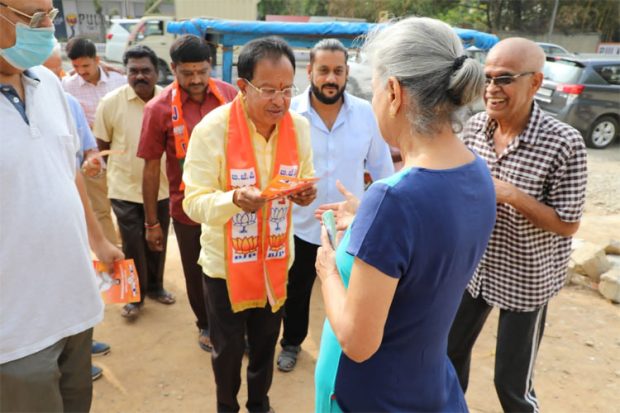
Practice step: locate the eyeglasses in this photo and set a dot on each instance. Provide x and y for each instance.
(270, 93)
(504, 80)
(36, 18)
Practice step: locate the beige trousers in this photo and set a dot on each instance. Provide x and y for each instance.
(97, 190)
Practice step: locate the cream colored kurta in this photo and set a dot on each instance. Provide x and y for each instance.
(204, 173)
(119, 120)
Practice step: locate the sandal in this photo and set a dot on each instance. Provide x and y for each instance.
(288, 358)
(163, 297)
(130, 311)
(204, 341)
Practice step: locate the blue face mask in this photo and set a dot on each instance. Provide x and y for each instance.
(32, 46)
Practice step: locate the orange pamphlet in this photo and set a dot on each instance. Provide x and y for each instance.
(121, 286)
(281, 186)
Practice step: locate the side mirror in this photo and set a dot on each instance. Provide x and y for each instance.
(140, 36)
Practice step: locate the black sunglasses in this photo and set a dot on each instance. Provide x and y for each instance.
(504, 80)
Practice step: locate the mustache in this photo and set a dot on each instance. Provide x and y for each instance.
(141, 82)
(330, 85)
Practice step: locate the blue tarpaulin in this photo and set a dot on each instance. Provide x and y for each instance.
(230, 33)
(475, 38)
(260, 28)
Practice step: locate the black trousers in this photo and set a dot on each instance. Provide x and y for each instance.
(227, 336)
(188, 238)
(301, 278)
(518, 339)
(149, 264)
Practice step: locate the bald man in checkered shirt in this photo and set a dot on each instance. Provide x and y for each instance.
(539, 168)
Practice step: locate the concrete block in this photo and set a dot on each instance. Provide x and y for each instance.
(609, 287)
(590, 260)
(613, 247)
(614, 260)
(582, 281)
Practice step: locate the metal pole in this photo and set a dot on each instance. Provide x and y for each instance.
(555, 12)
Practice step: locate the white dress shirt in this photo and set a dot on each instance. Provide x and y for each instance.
(352, 146)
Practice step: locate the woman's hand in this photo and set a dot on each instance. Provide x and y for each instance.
(325, 258)
(343, 211)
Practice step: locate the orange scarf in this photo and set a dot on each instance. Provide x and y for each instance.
(179, 127)
(257, 248)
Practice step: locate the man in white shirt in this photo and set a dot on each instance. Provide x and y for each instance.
(89, 84)
(345, 142)
(49, 300)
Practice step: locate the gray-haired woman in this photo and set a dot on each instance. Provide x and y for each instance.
(392, 287)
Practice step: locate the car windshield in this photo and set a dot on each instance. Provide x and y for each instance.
(562, 71)
(128, 26)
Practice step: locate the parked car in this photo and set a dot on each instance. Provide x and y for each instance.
(116, 38)
(551, 49)
(585, 93)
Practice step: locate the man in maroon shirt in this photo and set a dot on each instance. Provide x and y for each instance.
(168, 122)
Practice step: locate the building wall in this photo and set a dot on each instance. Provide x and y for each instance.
(228, 9)
(78, 17)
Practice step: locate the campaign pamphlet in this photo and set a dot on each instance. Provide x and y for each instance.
(282, 186)
(120, 286)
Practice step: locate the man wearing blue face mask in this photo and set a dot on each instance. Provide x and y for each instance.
(49, 300)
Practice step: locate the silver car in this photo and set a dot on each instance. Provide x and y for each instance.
(584, 91)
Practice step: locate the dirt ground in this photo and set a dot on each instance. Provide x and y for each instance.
(156, 365)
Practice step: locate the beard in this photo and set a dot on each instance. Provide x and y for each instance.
(328, 100)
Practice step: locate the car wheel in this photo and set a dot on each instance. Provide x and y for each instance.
(602, 132)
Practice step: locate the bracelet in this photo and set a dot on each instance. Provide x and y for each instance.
(152, 226)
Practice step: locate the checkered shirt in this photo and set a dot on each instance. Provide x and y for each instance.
(88, 94)
(524, 266)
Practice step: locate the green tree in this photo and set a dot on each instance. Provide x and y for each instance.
(316, 7)
(526, 16)
(281, 7)
(470, 14)
(602, 16)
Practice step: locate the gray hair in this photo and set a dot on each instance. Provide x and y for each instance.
(332, 45)
(426, 56)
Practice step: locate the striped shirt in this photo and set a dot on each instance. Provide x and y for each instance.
(524, 266)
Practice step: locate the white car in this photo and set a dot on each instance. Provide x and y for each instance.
(551, 49)
(116, 39)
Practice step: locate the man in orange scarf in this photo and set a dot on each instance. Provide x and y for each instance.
(246, 238)
(168, 121)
